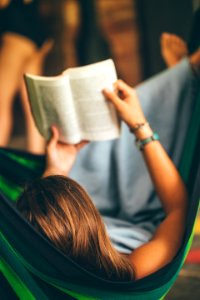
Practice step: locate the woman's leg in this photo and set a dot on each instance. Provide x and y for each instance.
(14, 54)
(34, 141)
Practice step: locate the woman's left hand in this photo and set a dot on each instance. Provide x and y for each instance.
(126, 102)
(60, 157)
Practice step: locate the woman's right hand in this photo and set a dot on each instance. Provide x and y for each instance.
(126, 103)
(60, 157)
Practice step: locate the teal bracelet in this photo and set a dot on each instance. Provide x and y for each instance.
(141, 143)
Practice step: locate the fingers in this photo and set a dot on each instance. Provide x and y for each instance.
(54, 138)
(110, 95)
(123, 88)
(120, 86)
(80, 145)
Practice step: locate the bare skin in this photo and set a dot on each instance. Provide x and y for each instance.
(170, 189)
(60, 157)
(4, 3)
(173, 48)
(34, 141)
(18, 54)
(195, 59)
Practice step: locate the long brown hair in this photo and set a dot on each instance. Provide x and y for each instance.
(62, 210)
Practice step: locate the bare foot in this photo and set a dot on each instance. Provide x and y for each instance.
(173, 48)
(195, 59)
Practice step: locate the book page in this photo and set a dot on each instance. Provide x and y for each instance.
(51, 104)
(96, 116)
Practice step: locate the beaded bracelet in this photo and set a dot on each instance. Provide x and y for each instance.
(141, 143)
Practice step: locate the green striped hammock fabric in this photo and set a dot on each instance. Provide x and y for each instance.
(31, 268)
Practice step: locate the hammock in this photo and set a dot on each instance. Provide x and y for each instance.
(32, 268)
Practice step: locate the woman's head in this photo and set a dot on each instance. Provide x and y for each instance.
(60, 208)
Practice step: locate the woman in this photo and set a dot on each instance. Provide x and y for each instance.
(61, 210)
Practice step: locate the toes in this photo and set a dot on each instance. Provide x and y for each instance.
(164, 39)
(195, 58)
(173, 48)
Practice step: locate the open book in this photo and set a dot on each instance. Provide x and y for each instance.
(73, 101)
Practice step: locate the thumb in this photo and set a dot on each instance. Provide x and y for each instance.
(123, 88)
(54, 138)
(80, 145)
(111, 96)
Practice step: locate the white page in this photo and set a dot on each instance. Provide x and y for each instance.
(51, 100)
(97, 117)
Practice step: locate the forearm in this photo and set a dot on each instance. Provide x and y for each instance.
(165, 177)
(167, 182)
(172, 193)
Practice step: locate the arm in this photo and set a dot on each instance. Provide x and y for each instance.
(60, 157)
(167, 182)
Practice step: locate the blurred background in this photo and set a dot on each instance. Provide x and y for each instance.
(126, 30)
(86, 31)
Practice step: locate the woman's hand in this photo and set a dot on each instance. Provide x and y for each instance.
(60, 157)
(126, 103)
